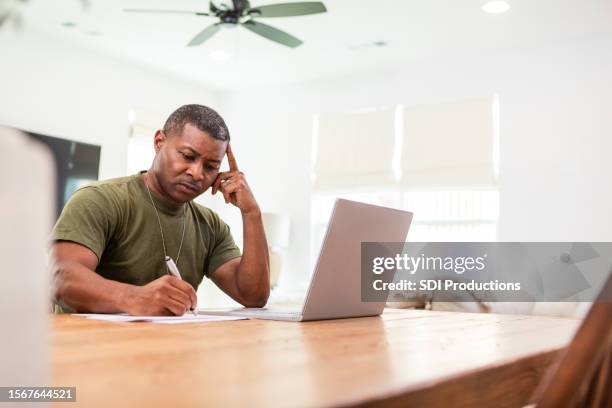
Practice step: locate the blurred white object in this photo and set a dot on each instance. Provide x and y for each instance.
(496, 7)
(277, 228)
(27, 197)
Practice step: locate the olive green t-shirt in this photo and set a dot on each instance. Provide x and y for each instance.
(116, 220)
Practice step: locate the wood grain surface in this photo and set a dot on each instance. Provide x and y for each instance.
(404, 358)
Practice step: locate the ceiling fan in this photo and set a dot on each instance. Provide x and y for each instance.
(243, 14)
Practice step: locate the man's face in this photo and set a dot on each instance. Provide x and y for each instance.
(187, 164)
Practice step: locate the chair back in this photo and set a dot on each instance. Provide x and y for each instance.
(583, 375)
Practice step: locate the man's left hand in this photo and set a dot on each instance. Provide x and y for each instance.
(234, 187)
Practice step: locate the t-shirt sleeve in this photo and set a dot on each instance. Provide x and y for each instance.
(88, 218)
(223, 249)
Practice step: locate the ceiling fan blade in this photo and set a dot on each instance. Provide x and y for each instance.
(205, 34)
(289, 9)
(4, 17)
(197, 13)
(272, 33)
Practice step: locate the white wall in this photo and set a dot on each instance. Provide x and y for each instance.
(66, 90)
(555, 166)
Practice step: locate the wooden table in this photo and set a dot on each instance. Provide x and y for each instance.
(404, 358)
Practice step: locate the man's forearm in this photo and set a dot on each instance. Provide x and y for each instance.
(254, 270)
(83, 290)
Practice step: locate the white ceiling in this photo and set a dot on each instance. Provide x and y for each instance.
(414, 30)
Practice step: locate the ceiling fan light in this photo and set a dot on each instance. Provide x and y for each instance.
(219, 56)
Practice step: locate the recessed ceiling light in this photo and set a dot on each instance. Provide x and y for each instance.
(219, 56)
(496, 7)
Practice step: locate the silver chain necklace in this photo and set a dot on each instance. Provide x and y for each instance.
(162, 231)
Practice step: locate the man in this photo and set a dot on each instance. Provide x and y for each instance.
(113, 237)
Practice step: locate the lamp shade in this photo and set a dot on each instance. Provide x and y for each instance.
(277, 229)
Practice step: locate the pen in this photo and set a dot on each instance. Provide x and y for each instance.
(174, 271)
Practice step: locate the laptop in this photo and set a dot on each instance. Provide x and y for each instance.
(335, 287)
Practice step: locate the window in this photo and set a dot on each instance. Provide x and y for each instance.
(444, 161)
(140, 151)
(443, 216)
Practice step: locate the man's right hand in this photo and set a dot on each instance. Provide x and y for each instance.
(77, 286)
(167, 295)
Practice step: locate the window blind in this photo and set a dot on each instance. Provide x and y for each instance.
(355, 150)
(448, 145)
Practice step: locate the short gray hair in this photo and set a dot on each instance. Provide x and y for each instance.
(202, 117)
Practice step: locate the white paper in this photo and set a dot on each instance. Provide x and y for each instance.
(186, 318)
